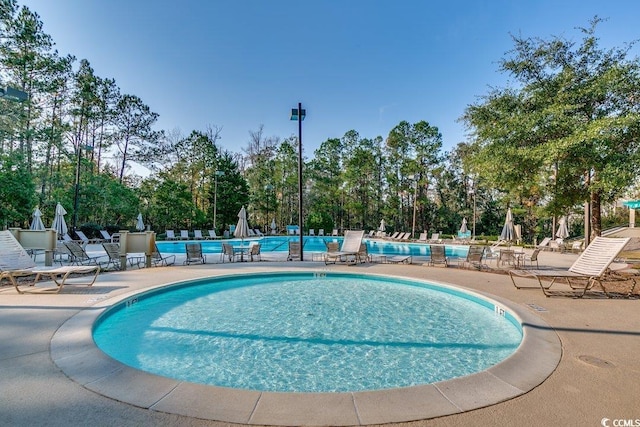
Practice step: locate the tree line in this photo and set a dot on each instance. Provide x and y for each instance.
(564, 139)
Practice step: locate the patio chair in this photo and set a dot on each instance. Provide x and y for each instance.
(197, 234)
(113, 252)
(363, 254)
(544, 244)
(332, 246)
(438, 255)
(79, 256)
(493, 252)
(506, 257)
(334, 232)
(15, 262)
(194, 254)
(435, 238)
(557, 245)
(394, 236)
(66, 238)
(294, 251)
(532, 258)
(61, 253)
(576, 247)
(158, 259)
(184, 234)
(399, 259)
(348, 250)
(213, 235)
(171, 235)
(591, 268)
(423, 237)
(84, 239)
(254, 251)
(228, 253)
(321, 232)
(106, 236)
(312, 232)
(474, 257)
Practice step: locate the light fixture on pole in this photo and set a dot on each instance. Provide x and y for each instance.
(215, 196)
(414, 178)
(299, 115)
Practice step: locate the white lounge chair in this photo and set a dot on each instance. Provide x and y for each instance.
(171, 235)
(15, 262)
(106, 236)
(591, 268)
(348, 250)
(435, 238)
(85, 240)
(197, 234)
(184, 234)
(213, 235)
(544, 244)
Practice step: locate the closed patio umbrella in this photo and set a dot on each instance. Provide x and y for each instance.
(273, 226)
(383, 225)
(59, 224)
(242, 228)
(463, 227)
(563, 229)
(508, 231)
(37, 223)
(140, 223)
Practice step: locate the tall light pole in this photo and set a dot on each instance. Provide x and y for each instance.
(268, 188)
(415, 195)
(215, 196)
(473, 194)
(299, 115)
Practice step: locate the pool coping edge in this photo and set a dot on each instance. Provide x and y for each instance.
(73, 350)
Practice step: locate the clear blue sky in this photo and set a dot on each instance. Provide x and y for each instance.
(354, 64)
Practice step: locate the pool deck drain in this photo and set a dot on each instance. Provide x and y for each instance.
(534, 360)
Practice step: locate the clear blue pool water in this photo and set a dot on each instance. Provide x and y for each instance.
(317, 244)
(308, 332)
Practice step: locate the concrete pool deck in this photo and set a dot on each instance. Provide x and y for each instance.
(598, 375)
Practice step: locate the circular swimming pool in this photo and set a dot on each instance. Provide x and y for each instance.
(309, 332)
